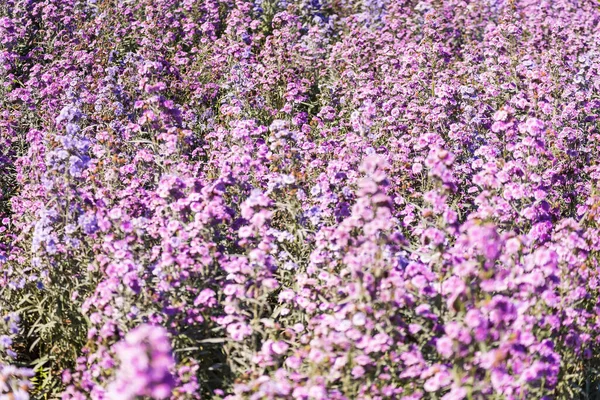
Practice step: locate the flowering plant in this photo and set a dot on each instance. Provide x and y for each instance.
(294, 199)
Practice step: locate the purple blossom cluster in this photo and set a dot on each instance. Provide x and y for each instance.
(300, 199)
(145, 363)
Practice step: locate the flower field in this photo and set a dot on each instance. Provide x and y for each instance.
(300, 199)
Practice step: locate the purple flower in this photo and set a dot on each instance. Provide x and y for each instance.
(444, 346)
(145, 365)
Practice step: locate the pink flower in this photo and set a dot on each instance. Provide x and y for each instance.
(358, 372)
(293, 362)
(279, 347)
(444, 346)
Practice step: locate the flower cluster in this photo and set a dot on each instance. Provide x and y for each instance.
(145, 362)
(300, 199)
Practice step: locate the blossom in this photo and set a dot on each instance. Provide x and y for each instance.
(145, 365)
